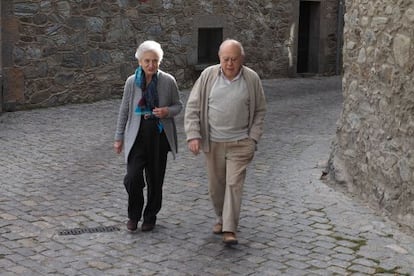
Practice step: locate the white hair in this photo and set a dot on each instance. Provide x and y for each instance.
(149, 45)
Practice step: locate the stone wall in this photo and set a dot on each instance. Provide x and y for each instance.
(66, 51)
(1, 67)
(374, 152)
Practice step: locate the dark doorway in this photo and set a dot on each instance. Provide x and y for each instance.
(209, 40)
(308, 38)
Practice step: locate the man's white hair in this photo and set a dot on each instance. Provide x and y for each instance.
(234, 42)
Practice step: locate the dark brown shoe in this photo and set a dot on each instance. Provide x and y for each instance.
(132, 225)
(229, 238)
(145, 227)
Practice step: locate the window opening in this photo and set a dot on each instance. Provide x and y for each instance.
(209, 40)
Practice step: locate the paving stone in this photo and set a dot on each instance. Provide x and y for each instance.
(344, 250)
(340, 263)
(297, 264)
(324, 244)
(334, 270)
(64, 174)
(362, 269)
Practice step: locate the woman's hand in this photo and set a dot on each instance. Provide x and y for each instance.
(160, 112)
(118, 146)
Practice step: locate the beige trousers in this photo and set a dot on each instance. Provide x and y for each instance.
(226, 165)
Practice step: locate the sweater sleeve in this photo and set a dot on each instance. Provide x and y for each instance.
(257, 127)
(192, 112)
(123, 111)
(176, 104)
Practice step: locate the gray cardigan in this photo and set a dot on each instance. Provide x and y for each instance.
(128, 122)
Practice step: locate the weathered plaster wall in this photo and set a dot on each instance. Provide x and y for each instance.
(374, 152)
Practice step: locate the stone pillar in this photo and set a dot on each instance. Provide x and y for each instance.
(12, 77)
(292, 45)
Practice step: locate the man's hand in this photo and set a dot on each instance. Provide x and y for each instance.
(118, 146)
(194, 146)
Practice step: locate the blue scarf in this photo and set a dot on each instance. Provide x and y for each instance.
(149, 99)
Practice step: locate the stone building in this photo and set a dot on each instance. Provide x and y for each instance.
(67, 51)
(374, 152)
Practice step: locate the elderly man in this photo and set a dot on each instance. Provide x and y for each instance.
(224, 118)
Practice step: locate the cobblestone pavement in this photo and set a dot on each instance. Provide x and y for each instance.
(63, 204)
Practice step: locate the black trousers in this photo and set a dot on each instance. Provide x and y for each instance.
(146, 166)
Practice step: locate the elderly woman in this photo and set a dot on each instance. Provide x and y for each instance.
(146, 130)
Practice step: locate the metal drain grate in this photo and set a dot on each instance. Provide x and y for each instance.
(78, 231)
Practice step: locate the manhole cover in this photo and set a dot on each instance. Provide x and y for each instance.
(78, 231)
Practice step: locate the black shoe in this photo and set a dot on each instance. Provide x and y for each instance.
(132, 225)
(145, 227)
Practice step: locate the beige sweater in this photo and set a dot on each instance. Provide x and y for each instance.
(196, 113)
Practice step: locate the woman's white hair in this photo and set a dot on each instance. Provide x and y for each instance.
(149, 45)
